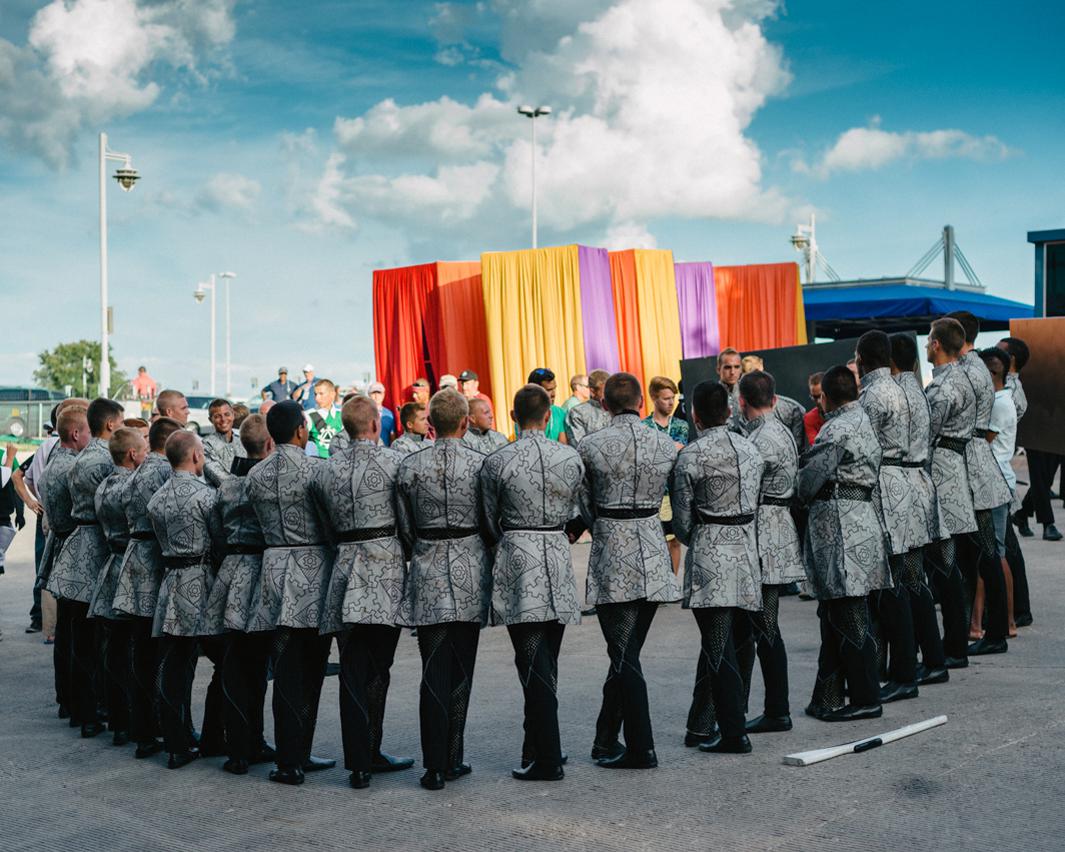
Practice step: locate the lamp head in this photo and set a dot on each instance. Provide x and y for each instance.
(127, 176)
(199, 294)
(543, 110)
(526, 110)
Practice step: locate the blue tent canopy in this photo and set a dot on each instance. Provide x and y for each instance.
(848, 311)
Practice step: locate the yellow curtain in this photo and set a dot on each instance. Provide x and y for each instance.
(800, 311)
(656, 296)
(532, 307)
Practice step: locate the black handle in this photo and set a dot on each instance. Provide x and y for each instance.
(868, 744)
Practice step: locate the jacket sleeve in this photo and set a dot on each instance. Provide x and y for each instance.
(681, 498)
(489, 484)
(819, 466)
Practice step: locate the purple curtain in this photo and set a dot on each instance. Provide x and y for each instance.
(597, 309)
(698, 309)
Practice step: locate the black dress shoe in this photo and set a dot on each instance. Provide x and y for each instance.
(456, 772)
(1050, 533)
(433, 779)
(359, 779)
(817, 712)
(768, 724)
(1024, 620)
(181, 758)
(612, 750)
(236, 766)
(120, 738)
(35, 627)
(525, 761)
(267, 754)
(387, 763)
(1021, 523)
(537, 771)
(956, 662)
(930, 677)
(589, 611)
(630, 760)
(728, 745)
(692, 740)
(63, 713)
(93, 729)
(317, 764)
(988, 646)
(147, 749)
(851, 713)
(892, 691)
(291, 776)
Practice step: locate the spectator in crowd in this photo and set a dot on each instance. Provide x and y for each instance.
(240, 414)
(415, 429)
(419, 391)
(10, 505)
(814, 419)
(556, 426)
(267, 404)
(323, 423)
(729, 370)
(144, 389)
(470, 386)
(578, 386)
(388, 419)
(449, 381)
(304, 392)
(663, 393)
(138, 423)
(281, 389)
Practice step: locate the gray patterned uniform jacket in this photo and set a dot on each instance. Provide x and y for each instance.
(298, 557)
(111, 512)
(779, 549)
(235, 590)
(77, 567)
(358, 485)
(484, 442)
(627, 466)
(985, 476)
(55, 493)
(845, 549)
(219, 456)
(530, 491)
(448, 579)
(718, 476)
(184, 519)
(885, 405)
(409, 442)
(141, 572)
(787, 410)
(584, 419)
(1020, 399)
(928, 523)
(952, 413)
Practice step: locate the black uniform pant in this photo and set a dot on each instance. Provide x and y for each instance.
(717, 700)
(115, 636)
(177, 670)
(243, 685)
(213, 731)
(625, 627)
(536, 649)
(922, 608)
(1041, 468)
(299, 656)
(941, 566)
(76, 662)
(891, 609)
(759, 633)
(848, 655)
(1022, 603)
(61, 657)
(449, 652)
(143, 665)
(978, 555)
(366, 654)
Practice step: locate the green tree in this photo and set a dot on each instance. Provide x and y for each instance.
(63, 366)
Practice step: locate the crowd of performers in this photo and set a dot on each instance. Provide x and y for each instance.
(898, 503)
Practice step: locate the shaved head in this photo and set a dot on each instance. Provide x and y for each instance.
(359, 415)
(172, 403)
(70, 420)
(123, 440)
(159, 431)
(255, 436)
(181, 449)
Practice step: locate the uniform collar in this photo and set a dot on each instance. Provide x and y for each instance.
(755, 423)
(942, 368)
(847, 406)
(625, 416)
(874, 376)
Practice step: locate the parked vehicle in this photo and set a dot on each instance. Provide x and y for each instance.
(199, 419)
(25, 410)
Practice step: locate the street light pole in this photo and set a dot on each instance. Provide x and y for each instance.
(533, 114)
(200, 294)
(227, 277)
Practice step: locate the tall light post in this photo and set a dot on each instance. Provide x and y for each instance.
(200, 294)
(534, 113)
(126, 176)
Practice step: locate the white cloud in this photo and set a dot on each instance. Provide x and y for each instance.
(228, 189)
(89, 60)
(862, 148)
(650, 120)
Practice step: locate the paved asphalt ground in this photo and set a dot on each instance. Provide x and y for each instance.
(992, 778)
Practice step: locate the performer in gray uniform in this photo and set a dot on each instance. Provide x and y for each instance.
(77, 566)
(73, 429)
(415, 429)
(480, 435)
(715, 498)
(927, 527)
(530, 493)
(779, 552)
(952, 417)
(183, 516)
(627, 467)
(222, 445)
(358, 487)
(590, 416)
(885, 405)
(447, 586)
(845, 552)
(295, 576)
(137, 586)
(128, 449)
(978, 553)
(231, 603)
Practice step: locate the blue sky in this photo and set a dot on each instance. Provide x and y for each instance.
(304, 145)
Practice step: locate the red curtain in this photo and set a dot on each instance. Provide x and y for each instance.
(757, 305)
(455, 328)
(626, 312)
(400, 298)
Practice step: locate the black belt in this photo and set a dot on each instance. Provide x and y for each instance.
(365, 534)
(900, 463)
(447, 534)
(980, 433)
(775, 501)
(244, 549)
(81, 523)
(626, 514)
(173, 562)
(957, 445)
(290, 546)
(842, 491)
(142, 536)
(555, 528)
(62, 536)
(724, 520)
(117, 547)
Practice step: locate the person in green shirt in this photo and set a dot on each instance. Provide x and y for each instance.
(323, 421)
(578, 385)
(556, 426)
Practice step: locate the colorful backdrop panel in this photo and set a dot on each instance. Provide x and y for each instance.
(597, 307)
(759, 306)
(400, 300)
(456, 331)
(697, 304)
(656, 296)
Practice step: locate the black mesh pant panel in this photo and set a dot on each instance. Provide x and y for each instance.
(299, 656)
(366, 655)
(143, 666)
(625, 627)
(449, 652)
(177, 669)
(848, 655)
(244, 663)
(536, 648)
(941, 565)
(891, 608)
(759, 633)
(717, 675)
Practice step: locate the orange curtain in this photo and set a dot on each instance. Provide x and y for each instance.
(455, 329)
(400, 297)
(626, 311)
(759, 306)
